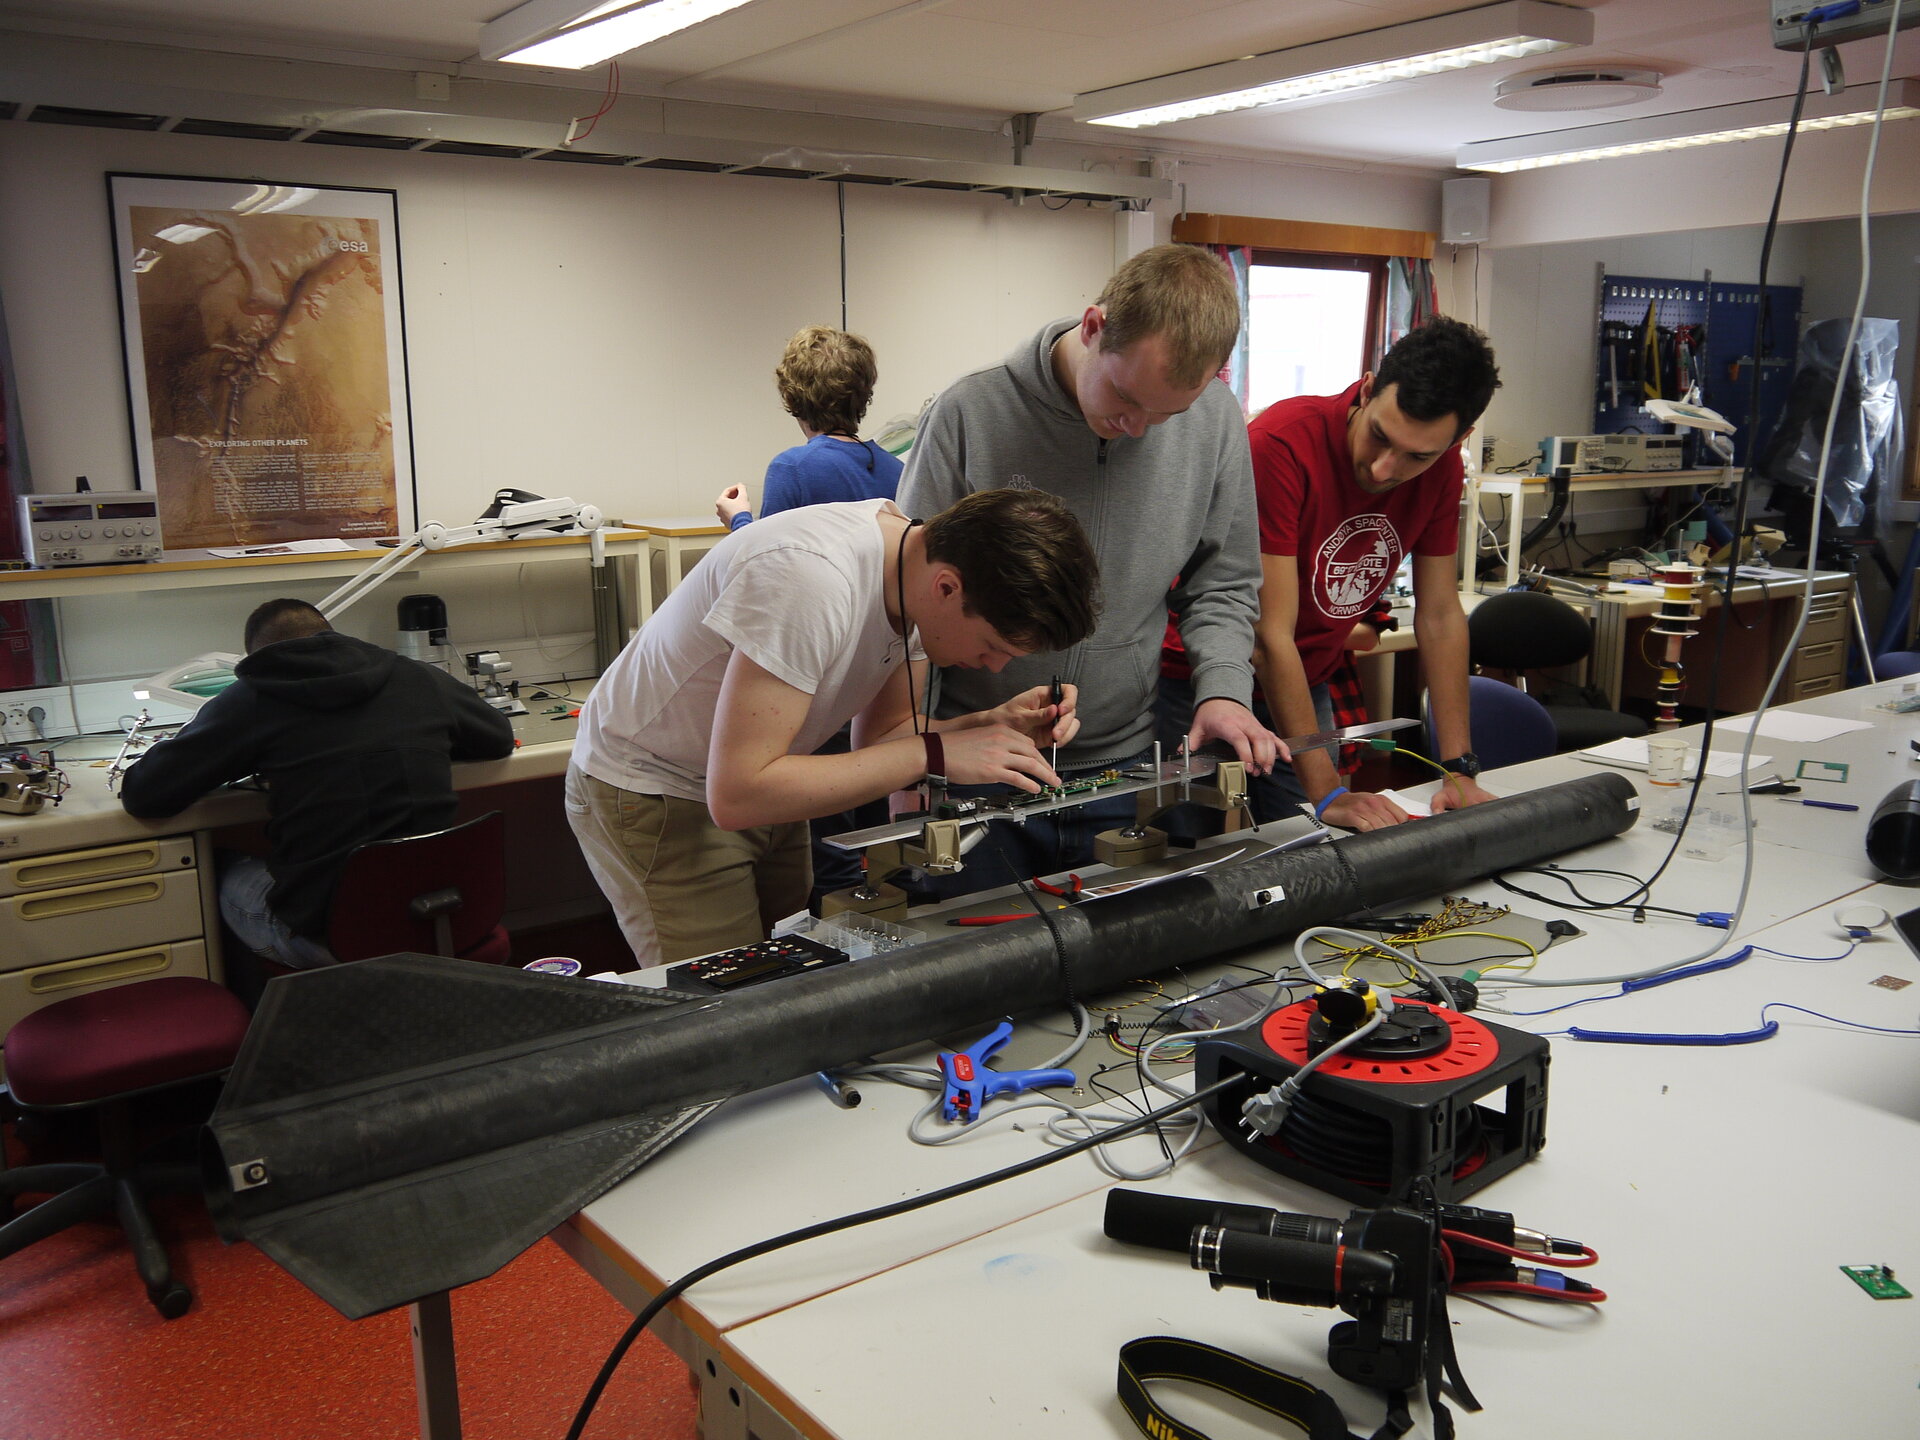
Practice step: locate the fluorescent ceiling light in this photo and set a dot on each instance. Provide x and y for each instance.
(1424, 47)
(1717, 125)
(573, 34)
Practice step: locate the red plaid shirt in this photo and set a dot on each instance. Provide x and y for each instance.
(1343, 686)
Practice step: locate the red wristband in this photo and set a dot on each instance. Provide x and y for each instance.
(936, 757)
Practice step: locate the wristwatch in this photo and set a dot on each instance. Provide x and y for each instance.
(1467, 763)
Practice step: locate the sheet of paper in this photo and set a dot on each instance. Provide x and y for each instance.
(1795, 725)
(1418, 809)
(1632, 755)
(284, 547)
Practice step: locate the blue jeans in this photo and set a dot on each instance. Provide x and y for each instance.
(244, 885)
(1277, 796)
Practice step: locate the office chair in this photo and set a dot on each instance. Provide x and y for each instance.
(1509, 725)
(1895, 663)
(103, 1051)
(1522, 630)
(437, 894)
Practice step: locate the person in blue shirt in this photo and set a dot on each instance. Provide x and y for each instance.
(825, 379)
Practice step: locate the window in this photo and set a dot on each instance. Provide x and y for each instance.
(1311, 320)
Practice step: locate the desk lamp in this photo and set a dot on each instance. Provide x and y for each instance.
(513, 515)
(1690, 414)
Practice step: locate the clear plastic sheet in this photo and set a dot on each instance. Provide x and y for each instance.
(1867, 434)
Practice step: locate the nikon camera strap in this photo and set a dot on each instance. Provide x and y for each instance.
(1167, 1357)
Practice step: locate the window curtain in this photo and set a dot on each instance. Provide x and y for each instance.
(1411, 299)
(1238, 259)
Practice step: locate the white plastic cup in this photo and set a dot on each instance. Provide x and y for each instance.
(1666, 760)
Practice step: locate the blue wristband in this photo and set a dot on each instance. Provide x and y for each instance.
(1320, 810)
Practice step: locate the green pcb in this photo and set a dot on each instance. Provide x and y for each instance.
(1877, 1281)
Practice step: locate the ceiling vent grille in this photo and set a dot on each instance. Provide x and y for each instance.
(1577, 87)
(98, 119)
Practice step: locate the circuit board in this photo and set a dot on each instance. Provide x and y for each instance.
(1017, 805)
(1022, 800)
(1877, 1281)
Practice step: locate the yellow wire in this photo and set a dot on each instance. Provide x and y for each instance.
(1533, 952)
(1356, 953)
(1435, 764)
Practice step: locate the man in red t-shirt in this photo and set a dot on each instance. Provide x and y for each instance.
(1346, 486)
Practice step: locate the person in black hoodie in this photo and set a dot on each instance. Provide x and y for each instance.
(354, 743)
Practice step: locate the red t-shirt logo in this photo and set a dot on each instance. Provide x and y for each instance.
(1354, 566)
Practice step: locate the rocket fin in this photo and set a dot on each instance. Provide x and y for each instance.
(357, 1026)
(370, 1020)
(389, 1244)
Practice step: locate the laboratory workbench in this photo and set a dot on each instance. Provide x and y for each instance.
(1723, 1185)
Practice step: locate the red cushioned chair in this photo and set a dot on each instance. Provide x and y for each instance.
(103, 1050)
(438, 894)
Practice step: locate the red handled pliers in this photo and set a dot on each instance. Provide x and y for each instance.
(1070, 892)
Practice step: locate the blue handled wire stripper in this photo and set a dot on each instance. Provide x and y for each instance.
(971, 1082)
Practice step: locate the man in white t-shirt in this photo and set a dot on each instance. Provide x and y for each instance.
(693, 776)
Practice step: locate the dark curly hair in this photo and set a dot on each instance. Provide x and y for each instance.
(1444, 367)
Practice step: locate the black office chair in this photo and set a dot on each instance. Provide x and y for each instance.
(1523, 630)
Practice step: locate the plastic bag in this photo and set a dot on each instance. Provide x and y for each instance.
(1866, 434)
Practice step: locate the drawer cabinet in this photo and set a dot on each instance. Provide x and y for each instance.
(103, 862)
(28, 989)
(80, 920)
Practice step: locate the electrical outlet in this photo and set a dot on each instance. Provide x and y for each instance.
(19, 725)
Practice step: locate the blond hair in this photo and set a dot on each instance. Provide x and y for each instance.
(825, 379)
(1181, 293)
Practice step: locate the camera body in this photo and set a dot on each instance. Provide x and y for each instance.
(1381, 1266)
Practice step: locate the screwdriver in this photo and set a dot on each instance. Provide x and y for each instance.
(1054, 696)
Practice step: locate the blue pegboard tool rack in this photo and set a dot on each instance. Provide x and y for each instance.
(1730, 316)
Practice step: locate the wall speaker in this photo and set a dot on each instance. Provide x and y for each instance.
(1465, 206)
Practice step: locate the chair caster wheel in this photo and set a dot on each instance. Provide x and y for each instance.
(172, 1300)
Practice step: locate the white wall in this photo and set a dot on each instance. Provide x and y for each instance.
(604, 332)
(1713, 186)
(609, 334)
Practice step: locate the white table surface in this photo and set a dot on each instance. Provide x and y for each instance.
(1723, 1186)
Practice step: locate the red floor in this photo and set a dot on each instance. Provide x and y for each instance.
(84, 1357)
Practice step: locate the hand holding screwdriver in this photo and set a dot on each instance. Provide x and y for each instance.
(1054, 696)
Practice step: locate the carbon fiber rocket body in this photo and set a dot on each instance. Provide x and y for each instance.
(400, 1126)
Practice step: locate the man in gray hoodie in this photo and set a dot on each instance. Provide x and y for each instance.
(1117, 413)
